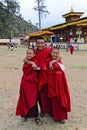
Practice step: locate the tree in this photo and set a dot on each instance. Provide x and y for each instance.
(12, 23)
(3, 21)
(12, 8)
(41, 8)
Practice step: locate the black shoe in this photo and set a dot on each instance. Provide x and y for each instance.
(50, 114)
(41, 114)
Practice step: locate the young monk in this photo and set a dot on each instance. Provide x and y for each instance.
(71, 49)
(27, 102)
(58, 90)
(42, 54)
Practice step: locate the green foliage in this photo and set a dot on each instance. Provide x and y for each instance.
(11, 22)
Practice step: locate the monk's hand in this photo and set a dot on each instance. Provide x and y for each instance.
(51, 64)
(59, 58)
(29, 62)
(34, 66)
(25, 60)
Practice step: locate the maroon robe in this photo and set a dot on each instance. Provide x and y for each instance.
(71, 49)
(28, 90)
(42, 56)
(58, 91)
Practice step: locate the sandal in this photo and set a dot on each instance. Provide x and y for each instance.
(38, 122)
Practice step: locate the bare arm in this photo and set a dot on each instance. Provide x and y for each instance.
(53, 61)
(27, 61)
(34, 66)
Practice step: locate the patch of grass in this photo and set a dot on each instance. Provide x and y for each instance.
(76, 66)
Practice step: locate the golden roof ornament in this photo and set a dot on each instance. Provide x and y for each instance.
(72, 9)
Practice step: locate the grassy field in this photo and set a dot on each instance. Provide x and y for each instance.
(10, 75)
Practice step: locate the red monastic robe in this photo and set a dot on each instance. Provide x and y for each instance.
(71, 49)
(28, 90)
(42, 56)
(58, 91)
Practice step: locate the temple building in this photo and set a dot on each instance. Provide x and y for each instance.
(74, 30)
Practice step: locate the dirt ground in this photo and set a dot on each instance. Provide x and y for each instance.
(10, 75)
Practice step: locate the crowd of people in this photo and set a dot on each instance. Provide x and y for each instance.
(43, 82)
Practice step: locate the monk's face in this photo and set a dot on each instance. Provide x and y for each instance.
(29, 54)
(55, 54)
(40, 44)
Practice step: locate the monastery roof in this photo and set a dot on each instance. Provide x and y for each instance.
(78, 22)
(40, 33)
(73, 14)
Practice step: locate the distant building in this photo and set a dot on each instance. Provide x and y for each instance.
(15, 40)
(74, 30)
(32, 37)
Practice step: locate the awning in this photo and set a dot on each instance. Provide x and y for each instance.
(38, 34)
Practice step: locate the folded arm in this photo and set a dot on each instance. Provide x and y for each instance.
(34, 66)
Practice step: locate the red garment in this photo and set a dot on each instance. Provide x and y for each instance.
(51, 78)
(42, 56)
(58, 90)
(71, 49)
(44, 101)
(28, 90)
(58, 112)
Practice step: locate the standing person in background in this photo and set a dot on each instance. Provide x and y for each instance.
(71, 49)
(58, 90)
(11, 46)
(27, 102)
(42, 54)
(67, 47)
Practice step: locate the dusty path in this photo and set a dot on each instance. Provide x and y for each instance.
(10, 74)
